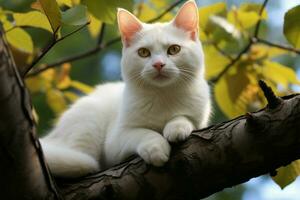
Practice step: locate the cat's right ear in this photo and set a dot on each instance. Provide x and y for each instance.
(129, 25)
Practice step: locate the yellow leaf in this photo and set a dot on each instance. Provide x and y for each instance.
(48, 75)
(286, 175)
(63, 78)
(241, 19)
(56, 101)
(253, 7)
(65, 2)
(207, 11)
(262, 51)
(159, 3)
(94, 26)
(32, 18)
(71, 96)
(81, 87)
(235, 92)
(51, 10)
(33, 84)
(147, 12)
(214, 61)
(279, 73)
(20, 39)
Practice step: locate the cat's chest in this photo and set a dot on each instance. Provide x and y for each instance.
(154, 112)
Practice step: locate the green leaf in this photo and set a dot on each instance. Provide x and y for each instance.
(291, 28)
(33, 19)
(51, 10)
(106, 11)
(279, 73)
(286, 175)
(20, 39)
(75, 16)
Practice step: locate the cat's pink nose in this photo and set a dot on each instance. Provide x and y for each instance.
(158, 65)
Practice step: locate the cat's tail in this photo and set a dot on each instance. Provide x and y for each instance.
(67, 162)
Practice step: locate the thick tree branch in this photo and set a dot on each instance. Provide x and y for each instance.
(212, 159)
(24, 174)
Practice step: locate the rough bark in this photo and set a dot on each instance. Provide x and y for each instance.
(24, 174)
(211, 159)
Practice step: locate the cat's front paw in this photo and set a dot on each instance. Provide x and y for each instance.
(155, 151)
(177, 131)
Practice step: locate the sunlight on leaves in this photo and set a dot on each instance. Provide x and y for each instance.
(20, 39)
(33, 19)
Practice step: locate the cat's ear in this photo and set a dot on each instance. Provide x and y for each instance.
(187, 18)
(129, 25)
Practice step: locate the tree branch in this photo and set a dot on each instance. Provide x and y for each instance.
(279, 46)
(21, 157)
(211, 159)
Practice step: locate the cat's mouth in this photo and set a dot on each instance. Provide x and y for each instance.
(160, 77)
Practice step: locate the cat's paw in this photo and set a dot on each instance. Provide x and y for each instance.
(155, 151)
(177, 131)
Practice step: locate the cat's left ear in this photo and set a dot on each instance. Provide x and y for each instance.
(129, 25)
(187, 18)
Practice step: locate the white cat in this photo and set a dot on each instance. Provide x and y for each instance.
(163, 98)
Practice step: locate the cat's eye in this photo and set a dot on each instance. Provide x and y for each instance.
(143, 52)
(174, 49)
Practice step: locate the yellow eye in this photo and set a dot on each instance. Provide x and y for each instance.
(143, 52)
(173, 49)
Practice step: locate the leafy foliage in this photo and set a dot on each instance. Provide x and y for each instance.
(234, 53)
(291, 26)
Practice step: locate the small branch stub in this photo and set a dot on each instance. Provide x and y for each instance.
(273, 100)
(253, 122)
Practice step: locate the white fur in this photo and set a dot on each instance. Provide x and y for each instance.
(138, 116)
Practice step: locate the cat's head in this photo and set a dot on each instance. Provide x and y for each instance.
(161, 54)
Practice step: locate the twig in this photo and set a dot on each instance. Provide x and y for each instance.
(257, 27)
(99, 46)
(233, 61)
(252, 40)
(53, 42)
(279, 46)
(101, 35)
